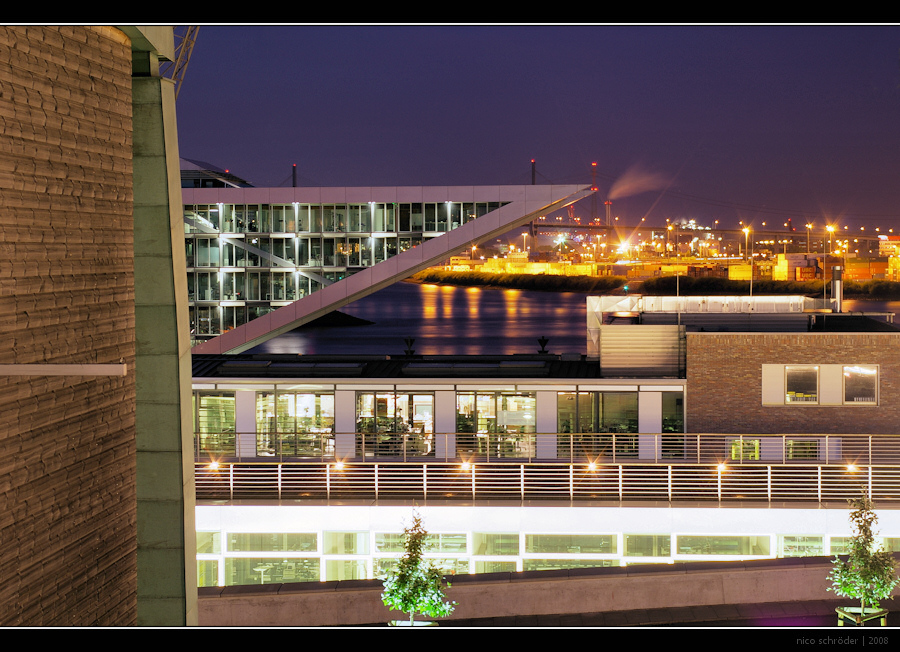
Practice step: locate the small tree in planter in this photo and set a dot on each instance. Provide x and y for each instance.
(868, 572)
(416, 586)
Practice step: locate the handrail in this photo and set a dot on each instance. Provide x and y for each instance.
(705, 482)
(616, 448)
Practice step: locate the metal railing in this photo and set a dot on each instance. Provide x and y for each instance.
(563, 466)
(605, 448)
(762, 483)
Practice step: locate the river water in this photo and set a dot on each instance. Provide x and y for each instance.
(448, 320)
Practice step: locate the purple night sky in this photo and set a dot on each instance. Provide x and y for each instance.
(728, 123)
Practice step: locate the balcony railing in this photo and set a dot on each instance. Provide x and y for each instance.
(564, 466)
(600, 448)
(758, 483)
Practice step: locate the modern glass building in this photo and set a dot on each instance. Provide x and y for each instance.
(246, 259)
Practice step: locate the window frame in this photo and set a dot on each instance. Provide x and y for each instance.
(877, 374)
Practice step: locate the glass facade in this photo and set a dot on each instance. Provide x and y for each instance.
(295, 423)
(394, 424)
(244, 260)
(602, 412)
(291, 420)
(263, 558)
(496, 424)
(214, 422)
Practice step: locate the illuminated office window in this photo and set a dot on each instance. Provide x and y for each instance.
(801, 546)
(745, 449)
(801, 384)
(648, 545)
(262, 570)
(570, 543)
(722, 545)
(491, 543)
(271, 542)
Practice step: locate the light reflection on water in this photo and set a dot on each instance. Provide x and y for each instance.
(446, 320)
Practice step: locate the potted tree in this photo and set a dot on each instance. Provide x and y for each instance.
(414, 585)
(867, 572)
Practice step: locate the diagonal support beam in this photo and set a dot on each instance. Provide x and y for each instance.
(204, 227)
(537, 200)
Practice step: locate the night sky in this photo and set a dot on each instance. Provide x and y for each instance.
(732, 123)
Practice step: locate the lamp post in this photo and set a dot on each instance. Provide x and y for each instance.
(524, 241)
(830, 230)
(746, 231)
(668, 228)
(808, 227)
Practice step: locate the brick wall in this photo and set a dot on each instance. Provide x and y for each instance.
(724, 380)
(67, 458)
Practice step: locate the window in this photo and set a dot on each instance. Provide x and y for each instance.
(488, 543)
(346, 543)
(495, 424)
(214, 421)
(861, 385)
(207, 572)
(723, 545)
(801, 449)
(295, 423)
(647, 545)
(209, 542)
(801, 546)
(745, 449)
(597, 412)
(271, 542)
(801, 384)
(265, 570)
(395, 424)
(490, 412)
(570, 543)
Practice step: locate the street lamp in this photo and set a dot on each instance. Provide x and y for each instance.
(524, 241)
(668, 228)
(808, 227)
(746, 231)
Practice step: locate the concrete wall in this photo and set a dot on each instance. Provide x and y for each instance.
(725, 373)
(496, 595)
(167, 569)
(67, 450)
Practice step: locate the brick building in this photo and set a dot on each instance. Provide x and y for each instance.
(737, 382)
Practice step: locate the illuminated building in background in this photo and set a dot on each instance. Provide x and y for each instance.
(255, 251)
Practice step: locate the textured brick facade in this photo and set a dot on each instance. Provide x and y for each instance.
(67, 452)
(724, 380)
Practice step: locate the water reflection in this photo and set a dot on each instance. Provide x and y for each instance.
(447, 320)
